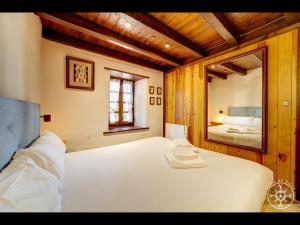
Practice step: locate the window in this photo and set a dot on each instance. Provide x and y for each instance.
(121, 102)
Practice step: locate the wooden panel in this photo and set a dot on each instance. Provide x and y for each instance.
(196, 88)
(294, 103)
(284, 111)
(270, 159)
(192, 26)
(281, 119)
(245, 22)
(179, 97)
(138, 32)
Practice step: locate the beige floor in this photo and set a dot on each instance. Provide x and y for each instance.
(295, 207)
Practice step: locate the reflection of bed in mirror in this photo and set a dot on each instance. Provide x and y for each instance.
(241, 126)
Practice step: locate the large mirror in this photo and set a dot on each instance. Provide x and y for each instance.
(236, 101)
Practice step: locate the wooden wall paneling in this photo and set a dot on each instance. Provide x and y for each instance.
(284, 111)
(270, 159)
(196, 88)
(170, 97)
(253, 156)
(188, 100)
(294, 103)
(234, 151)
(179, 97)
(282, 74)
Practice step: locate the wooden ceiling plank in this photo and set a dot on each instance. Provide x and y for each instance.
(168, 33)
(217, 74)
(238, 69)
(85, 45)
(220, 23)
(86, 26)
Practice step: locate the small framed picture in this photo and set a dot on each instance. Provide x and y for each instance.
(158, 101)
(152, 100)
(159, 90)
(151, 89)
(79, 73)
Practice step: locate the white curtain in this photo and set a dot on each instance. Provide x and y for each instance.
(114, 100)
(127, 101)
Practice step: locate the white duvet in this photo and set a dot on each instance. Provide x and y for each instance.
(136, 176)
(220, 133)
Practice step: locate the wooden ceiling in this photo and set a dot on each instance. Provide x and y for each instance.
(239, 66)
(160, 41)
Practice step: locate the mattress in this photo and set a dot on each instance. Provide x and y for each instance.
(136, 177)
(219, 133)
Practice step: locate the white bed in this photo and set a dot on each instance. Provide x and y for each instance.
(220, 133)
(135, 176)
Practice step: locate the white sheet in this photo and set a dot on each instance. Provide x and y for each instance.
(135, 176)
(220, 133)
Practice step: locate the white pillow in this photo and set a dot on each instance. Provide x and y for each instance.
(25, 187)
(257, 122)
(48, 152)
(238, 120)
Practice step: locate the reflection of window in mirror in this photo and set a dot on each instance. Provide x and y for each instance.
(235, 100)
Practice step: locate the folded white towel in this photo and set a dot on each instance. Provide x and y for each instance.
(252, 129)
(184, 153)
(182, 142)
(176, 163)
(233, 129)
(243, 132)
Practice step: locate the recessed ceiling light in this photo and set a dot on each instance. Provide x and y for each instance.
(167, 45)
(213, 66)
(127, 25)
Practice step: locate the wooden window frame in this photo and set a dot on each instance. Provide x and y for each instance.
(121, 123)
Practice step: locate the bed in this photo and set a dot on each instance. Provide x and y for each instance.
(136, 177)
(240, 118)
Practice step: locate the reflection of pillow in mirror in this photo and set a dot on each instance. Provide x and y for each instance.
(238, 120)
(257, 122)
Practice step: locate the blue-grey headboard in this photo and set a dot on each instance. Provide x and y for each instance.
(19, 127)
(245, 111)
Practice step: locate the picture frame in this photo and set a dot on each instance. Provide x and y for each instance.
(152, 100)
(151, 89)
(80, 73)
(158, 101)
(159, 91)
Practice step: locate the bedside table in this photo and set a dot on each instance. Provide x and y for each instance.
(213, 123)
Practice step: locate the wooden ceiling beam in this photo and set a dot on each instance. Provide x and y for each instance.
(168, 33)
(220, 23)
(238, 69)
(91, 28)
(85, 45)
(217, 74)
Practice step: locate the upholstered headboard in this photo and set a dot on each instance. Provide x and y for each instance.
(19, 127)
(245, 111)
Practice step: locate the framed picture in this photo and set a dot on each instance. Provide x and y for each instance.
(80, 73)
(151, 89)
(152, 100)
(158, 101)
(159, 90)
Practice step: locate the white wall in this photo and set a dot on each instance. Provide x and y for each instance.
(239, 91)
(79, 116)
(20, 53)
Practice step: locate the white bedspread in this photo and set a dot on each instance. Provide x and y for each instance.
(219, 133)
(135, 176)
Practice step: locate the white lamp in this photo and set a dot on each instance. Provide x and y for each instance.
(219, 117)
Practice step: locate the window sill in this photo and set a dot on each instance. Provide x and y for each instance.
(125, 129)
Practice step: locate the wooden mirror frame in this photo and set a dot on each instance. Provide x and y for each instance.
(263, 148)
